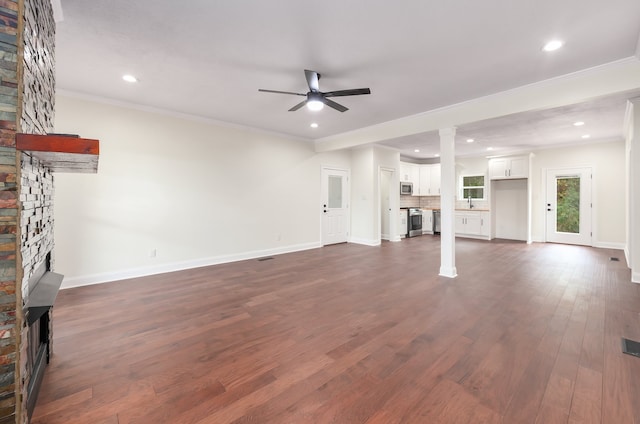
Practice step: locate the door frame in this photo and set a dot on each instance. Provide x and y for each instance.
(569, 170)
(323, 169)
(394, 203)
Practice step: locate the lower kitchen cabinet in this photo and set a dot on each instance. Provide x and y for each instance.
(402, 223)
(427, 221)
(473, 224)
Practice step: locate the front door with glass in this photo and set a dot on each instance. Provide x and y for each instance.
(568, 206)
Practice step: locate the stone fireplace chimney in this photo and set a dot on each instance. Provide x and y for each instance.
(27, 163)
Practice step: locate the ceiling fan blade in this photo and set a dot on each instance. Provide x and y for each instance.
(336, 106)
(298, 106)
(352, 92)
(312, 79)
(280, 92)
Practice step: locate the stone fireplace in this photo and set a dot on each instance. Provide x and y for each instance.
(28, 160)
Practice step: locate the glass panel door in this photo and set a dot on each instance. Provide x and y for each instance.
(568, 204)
(335, 191)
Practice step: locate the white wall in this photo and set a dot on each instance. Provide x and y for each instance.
(197, 192)
(608, 190)
(363, 199)
(365, 194)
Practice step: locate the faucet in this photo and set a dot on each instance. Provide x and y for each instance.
(470, 204)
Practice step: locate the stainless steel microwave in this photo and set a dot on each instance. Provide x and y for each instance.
(406, 188)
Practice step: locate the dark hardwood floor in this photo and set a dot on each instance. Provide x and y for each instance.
(355, 334)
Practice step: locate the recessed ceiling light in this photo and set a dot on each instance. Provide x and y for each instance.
(470, 140)
(586, 136)
(552, 45)
(437, 155)
(578, 124)
(129, 78)
(489, 148)
(416, 151)
(314, 125)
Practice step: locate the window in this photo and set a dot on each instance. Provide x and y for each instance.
(472, 185)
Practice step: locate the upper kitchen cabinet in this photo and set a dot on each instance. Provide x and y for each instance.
(410, 172)
(430, 180)
(509, 167)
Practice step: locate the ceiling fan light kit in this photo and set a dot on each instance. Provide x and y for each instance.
(316, 99)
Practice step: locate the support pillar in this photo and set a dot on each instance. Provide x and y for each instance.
(447, 203)
(633, 187)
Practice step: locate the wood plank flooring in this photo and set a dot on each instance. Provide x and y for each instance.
(355, 334)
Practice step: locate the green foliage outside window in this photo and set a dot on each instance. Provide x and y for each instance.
(473, 185)
(568, 205)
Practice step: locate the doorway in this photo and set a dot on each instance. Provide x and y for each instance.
(568, 206)
(335, 205)
(386, 227)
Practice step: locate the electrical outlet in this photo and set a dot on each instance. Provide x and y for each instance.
(153, 253)
(278, 237)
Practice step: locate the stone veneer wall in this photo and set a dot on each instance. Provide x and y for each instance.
(27, 89)
(8, 208)
(36, 181)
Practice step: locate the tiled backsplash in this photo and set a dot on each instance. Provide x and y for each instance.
(427, 202)
(433, 202)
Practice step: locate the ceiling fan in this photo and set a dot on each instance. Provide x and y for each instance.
(316, 99)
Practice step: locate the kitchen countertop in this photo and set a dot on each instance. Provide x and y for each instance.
(473, 210)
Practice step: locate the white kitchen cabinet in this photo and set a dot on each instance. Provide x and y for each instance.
(405, 172)
(472, 224)
(427, 221)
(410, 172)
(429, 180)
(509, 167)
(402, 223)
(434, 189)
(425, 178)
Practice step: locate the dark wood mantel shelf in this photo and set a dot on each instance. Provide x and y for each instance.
(61, 153)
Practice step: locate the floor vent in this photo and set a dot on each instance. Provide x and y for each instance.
(265, 259)
(614, 259)
(630, 347)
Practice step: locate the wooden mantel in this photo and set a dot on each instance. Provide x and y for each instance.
(61, 153)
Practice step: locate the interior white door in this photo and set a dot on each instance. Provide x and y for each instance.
(335, 206)
(568, 206)
(385, 204)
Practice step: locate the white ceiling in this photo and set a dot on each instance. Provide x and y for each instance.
(209, 58)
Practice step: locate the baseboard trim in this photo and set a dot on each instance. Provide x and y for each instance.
(609, 245)
(626, 255)
(448, 272)
(635, 277)
(107, 277)
(366, 242)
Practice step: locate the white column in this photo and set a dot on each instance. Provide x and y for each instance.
(447, 203)
(633, 187)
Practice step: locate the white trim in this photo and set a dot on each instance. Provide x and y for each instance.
(635, 277)
(626, 255)
(461, 187)
(106, 277)
(365, 242)
(394, 203)
(448, 272)
(609, 245)
(575, 87)
(174, 114)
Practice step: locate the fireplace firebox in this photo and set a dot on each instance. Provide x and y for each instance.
(43, 288)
